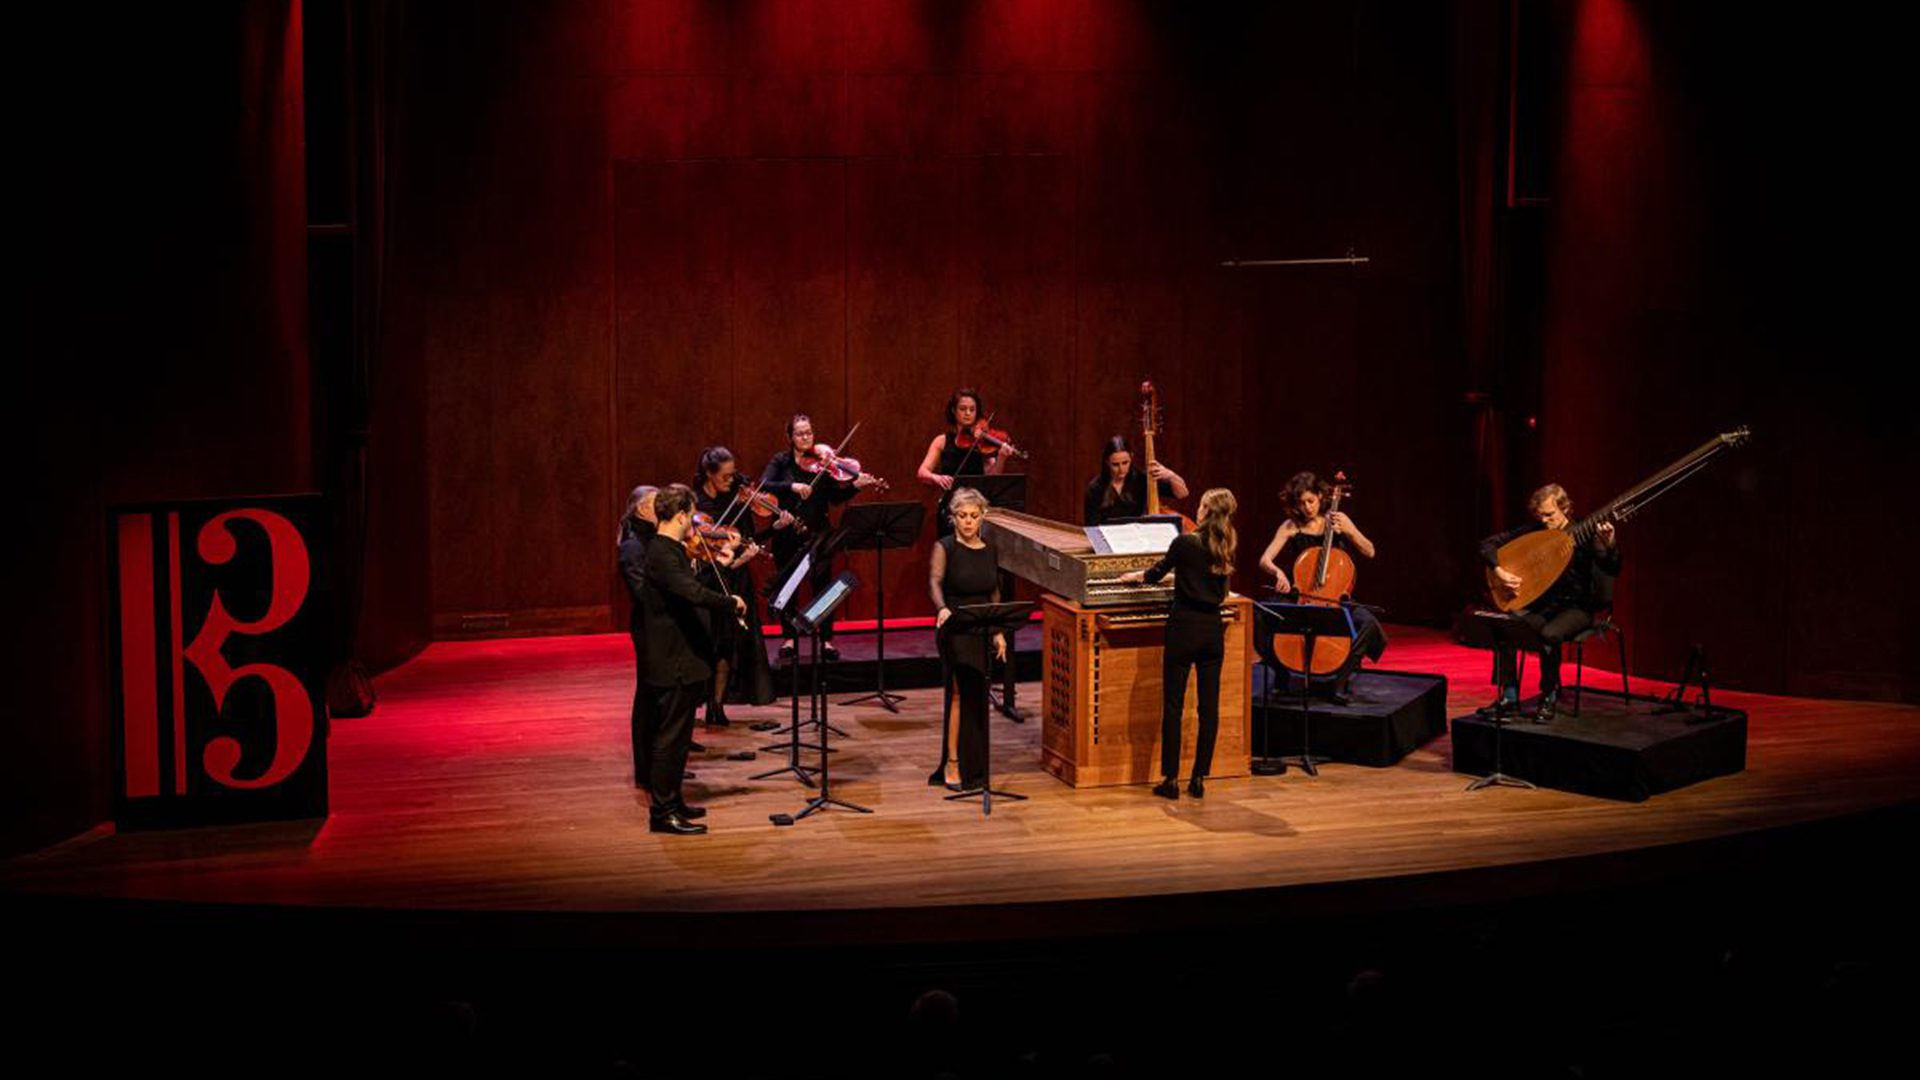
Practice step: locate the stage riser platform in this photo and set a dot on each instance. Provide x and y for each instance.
(1618, 748)
(1391, 714)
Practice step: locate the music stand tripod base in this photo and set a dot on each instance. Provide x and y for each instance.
(988, 618)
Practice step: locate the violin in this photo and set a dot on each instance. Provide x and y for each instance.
(709, 542)
(821, 460)
(766, 507)
(989, 441)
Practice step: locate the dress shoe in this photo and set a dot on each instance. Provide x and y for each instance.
(695, 747)
(786, 652)
(1549, 706)
(1197, 787)
(677, 824)
(693, 813)
(1167, 789)
(828, 652)
(716, 717)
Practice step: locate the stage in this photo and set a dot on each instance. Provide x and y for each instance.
(495, 778)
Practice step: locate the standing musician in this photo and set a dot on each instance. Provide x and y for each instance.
(740, 671)
(1119, 491)
(808, 496)
(985, 452)
(1305, 528)
(636, 531)
(1201, 562)
(679, 634)
(966, 570)
(1566, 608)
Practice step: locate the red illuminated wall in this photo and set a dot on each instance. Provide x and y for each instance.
(628, 230)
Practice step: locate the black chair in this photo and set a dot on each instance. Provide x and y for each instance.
(1603, 625)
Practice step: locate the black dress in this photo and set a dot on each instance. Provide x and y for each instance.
(1130, 502)
(1369, 640)
(1196, 638)
(751, 681)
(971, 576)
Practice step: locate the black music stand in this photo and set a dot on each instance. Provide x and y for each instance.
(987, 618)
(809, 622)
(1495, 630)
(1312, 622)
(880, 526)
(783, 599)
(1008, 491)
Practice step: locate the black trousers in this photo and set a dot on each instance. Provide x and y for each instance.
(1195, 640)
(669, 728)
(642, 714)
(1556, 626)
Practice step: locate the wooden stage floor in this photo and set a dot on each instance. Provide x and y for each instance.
(495, 776)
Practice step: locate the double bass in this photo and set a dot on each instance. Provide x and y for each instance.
(1150, 424)
(1541, 557)
(1323, 574)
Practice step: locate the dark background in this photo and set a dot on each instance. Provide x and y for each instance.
(573, 243)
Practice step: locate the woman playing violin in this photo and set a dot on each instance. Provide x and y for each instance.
(1305, 527)
(967, 447)
(740, 671)
(802, 478)
(1120, 491)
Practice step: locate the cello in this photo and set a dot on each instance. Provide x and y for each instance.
(1323, 574)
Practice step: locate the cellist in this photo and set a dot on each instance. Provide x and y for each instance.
(1305, 528)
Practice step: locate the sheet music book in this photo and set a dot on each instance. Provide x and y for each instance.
(1133, 538)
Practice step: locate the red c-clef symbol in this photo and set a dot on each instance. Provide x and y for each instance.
(292, 709)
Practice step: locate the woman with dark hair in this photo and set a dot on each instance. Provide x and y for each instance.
(945, 459)
(809, 497)
(1304, 528)
(1201, 563)
(1120, 490)
(965, 570)
(740, 671)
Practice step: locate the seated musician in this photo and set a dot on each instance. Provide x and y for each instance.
(1567, 608)
(1305, 528)
(1120, 491)
(740, 671)
(808, 496)
(965, 570)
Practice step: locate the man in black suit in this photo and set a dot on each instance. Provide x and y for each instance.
(679, 658)
(1568, 606)
(636, 533)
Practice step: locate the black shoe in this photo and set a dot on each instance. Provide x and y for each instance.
(787, 652)
(677, 824)
(1167, 789)
(693, 813)
(695, 747)
(1549, 705)
(828, 652)
(717, 718)
(1197, 787)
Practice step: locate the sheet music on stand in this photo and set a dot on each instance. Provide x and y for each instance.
(794, 578)
(1133, 537)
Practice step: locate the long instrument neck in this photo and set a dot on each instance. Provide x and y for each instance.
(1153, 486)
(1648, 490)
